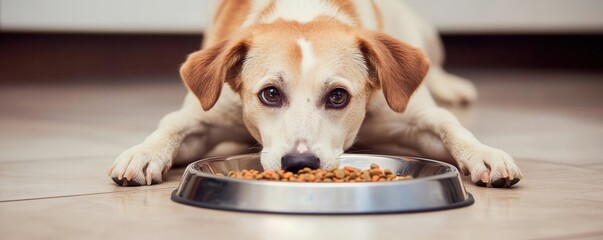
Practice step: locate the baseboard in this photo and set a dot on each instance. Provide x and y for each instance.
(38, 57)
(557, 51)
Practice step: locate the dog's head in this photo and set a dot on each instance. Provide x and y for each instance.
(305, 87)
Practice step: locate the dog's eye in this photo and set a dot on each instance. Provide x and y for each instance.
(338, 98)
(271, 97)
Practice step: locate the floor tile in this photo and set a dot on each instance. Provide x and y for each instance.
(538, 115)
(580, 236)
(541, 135)
(36, 139)
(595, 166)
(81, 120)
(55, 178)
(122, 105)
(550, 202)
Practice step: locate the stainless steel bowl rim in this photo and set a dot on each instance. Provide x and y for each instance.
(454, 171)
(436, 186)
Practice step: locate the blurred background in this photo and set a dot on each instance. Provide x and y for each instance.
(69, 39)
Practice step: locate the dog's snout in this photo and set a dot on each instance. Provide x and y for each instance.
(295, 162)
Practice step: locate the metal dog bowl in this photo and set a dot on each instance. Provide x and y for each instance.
(436, 186)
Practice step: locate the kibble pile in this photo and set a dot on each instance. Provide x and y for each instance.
(346, 174)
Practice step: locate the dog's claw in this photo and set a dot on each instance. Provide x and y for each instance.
(499, 183)
(481, 184)
(125, 183)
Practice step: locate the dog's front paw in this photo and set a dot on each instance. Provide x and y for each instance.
(142, 164)
(490, 167)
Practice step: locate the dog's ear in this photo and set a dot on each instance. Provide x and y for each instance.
(396, 67)
(206, 70)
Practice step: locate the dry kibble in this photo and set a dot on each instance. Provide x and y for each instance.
(346, 174)
(350, 169)
(376, 171)
(319, 175)
(403, 178)
(374, 166)
(374, 178)
(365, 176)
(339, 173)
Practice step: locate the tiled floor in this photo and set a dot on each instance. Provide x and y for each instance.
(56, 143)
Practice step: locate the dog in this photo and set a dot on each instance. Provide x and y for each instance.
(307, 79)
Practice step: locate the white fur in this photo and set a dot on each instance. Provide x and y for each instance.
(304, 11)
(366, 14)
(308, 60)
(256, 9)
(425, 128)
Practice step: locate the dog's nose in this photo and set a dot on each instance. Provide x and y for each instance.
(295, 162)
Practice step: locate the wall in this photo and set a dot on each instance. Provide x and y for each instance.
(187, 16)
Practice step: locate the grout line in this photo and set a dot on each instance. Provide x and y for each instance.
(57, 119)
(85, 194)
(573, 236)
(70, 158)
(555, 163)
(593, 164)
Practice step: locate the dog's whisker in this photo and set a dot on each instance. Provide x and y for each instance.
(255, 146)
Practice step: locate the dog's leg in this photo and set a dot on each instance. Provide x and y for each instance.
(435, 133)
(440, 134)
(448, 88)
(146, 162)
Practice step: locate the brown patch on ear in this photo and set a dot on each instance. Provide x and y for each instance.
(396, 67)
(205, 71)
